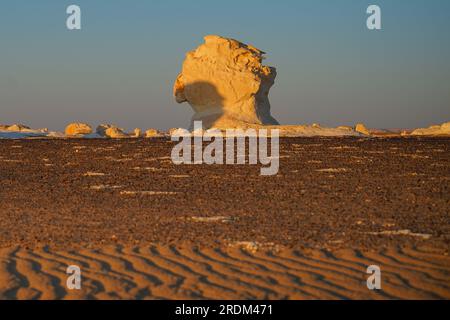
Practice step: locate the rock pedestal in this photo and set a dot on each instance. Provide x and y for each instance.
(226, 84)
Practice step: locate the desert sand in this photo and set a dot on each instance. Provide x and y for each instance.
(189, 272)
(141, 227)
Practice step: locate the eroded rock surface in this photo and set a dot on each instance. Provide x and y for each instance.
(361, 128)
(111, 131)
(435, 130)
(226, 84)
(151, 133)
(76, 129)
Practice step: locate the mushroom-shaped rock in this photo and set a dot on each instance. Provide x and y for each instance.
(76, 129)
(226, 84)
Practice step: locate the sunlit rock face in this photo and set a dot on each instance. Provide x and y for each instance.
(435, 130)
(226, 84)
(361, 128)
(111, 131)
(75, 129)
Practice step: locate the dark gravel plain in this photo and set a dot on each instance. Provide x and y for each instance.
(330, 193)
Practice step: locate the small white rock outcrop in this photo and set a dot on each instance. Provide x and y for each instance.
(77, 129)
(434, 130)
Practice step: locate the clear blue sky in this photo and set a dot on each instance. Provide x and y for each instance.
(121, 66)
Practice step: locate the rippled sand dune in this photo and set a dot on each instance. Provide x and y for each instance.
(160, 272)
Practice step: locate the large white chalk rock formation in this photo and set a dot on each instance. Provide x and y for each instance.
(226, 84)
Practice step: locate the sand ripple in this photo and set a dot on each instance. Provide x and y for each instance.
(169, 272)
